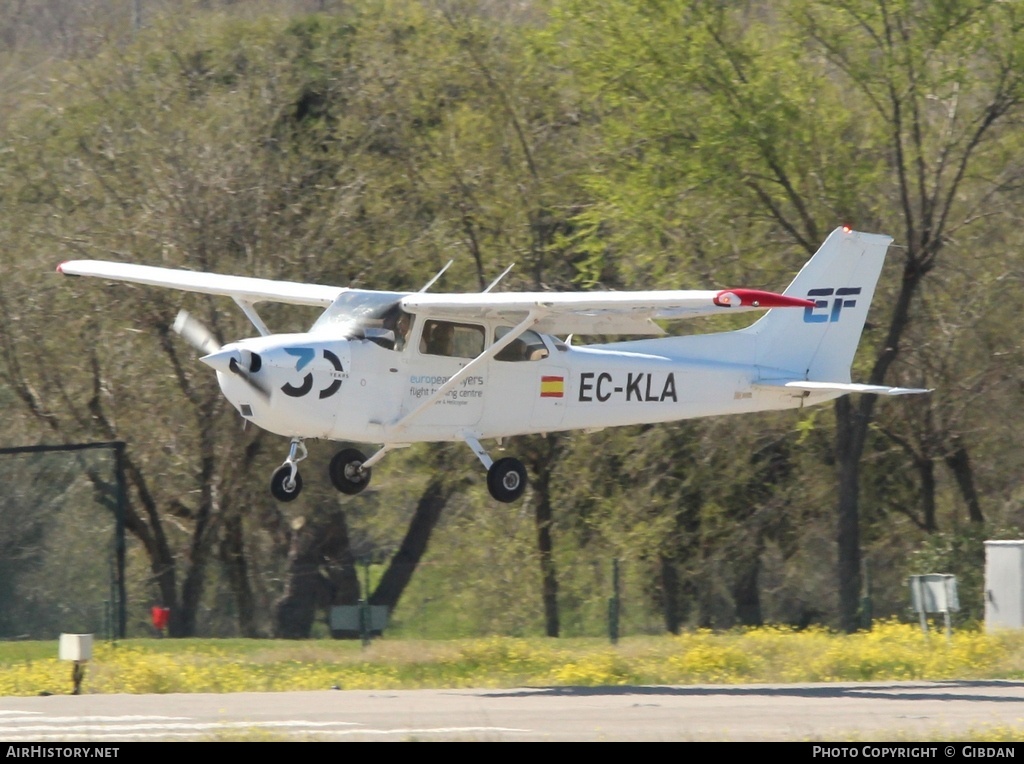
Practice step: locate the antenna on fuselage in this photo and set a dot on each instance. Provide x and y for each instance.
(504, 273)
(439, 274)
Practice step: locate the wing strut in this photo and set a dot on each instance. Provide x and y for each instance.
(535, 315)
(250, 313)
(437, 276)
(504, 273)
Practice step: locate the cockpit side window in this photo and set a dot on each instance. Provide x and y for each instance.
(528, 346)
(452, 339)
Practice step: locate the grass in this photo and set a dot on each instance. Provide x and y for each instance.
(891, 651)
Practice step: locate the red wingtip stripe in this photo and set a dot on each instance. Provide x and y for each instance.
(757, 298)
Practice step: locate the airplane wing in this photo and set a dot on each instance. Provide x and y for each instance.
(559, 312)
(598, 312)
(242, 288)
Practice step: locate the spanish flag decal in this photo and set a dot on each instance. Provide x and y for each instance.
(552, 387)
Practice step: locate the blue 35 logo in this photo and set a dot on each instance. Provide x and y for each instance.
(825, 311)
(305, 357)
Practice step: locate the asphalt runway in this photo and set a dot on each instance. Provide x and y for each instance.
(841, 712)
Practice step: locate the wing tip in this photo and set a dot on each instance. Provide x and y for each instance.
(758, 298)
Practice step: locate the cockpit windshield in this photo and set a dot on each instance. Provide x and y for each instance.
(355, 311)
(357, 314)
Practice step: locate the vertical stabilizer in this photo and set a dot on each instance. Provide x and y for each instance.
(818, 344)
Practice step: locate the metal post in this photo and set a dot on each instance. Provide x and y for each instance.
(108, 605)
(119, 552)
(77, 675)
(866, 614)
(613, 604)
(920, 598)
(364, 605)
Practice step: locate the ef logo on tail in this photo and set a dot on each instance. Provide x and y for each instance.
(821, 312)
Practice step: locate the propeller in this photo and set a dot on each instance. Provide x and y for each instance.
(195, 333)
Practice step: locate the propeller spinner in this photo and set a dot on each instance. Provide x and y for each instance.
(243, 364)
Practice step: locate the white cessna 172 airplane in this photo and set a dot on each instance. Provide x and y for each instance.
(396, 368)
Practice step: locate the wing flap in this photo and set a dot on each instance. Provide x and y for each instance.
(243, 288)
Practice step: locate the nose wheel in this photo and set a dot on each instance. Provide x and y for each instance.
(286, 482)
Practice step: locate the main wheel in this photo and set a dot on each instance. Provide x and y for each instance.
(282, 486)
(346, 473)
(506, 479)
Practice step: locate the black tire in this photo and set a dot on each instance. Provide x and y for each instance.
(345, 473)
(506, 479)
(278, 484)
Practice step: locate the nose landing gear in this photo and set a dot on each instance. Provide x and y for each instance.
(286, 482)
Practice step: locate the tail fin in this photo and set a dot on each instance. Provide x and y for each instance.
(818, 344)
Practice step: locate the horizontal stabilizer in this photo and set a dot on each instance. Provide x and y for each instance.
(844, 387)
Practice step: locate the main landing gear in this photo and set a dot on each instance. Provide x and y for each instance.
(347, 472)
(350, 472)
(506, 478)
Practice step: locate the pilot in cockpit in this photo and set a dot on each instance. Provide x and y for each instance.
(397, 323)
(403, 324)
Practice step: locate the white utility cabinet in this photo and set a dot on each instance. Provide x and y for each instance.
(1004, 585)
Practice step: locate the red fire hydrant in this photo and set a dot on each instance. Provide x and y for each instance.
(160, 615)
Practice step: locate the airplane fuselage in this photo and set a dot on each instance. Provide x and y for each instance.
(358, 390)
(394, 368)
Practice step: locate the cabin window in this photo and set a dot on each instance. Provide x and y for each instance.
(451, 339)
(528, 346)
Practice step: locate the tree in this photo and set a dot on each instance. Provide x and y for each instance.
(951, 79)
(255, 148)
(126, 160)
(711, 107)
